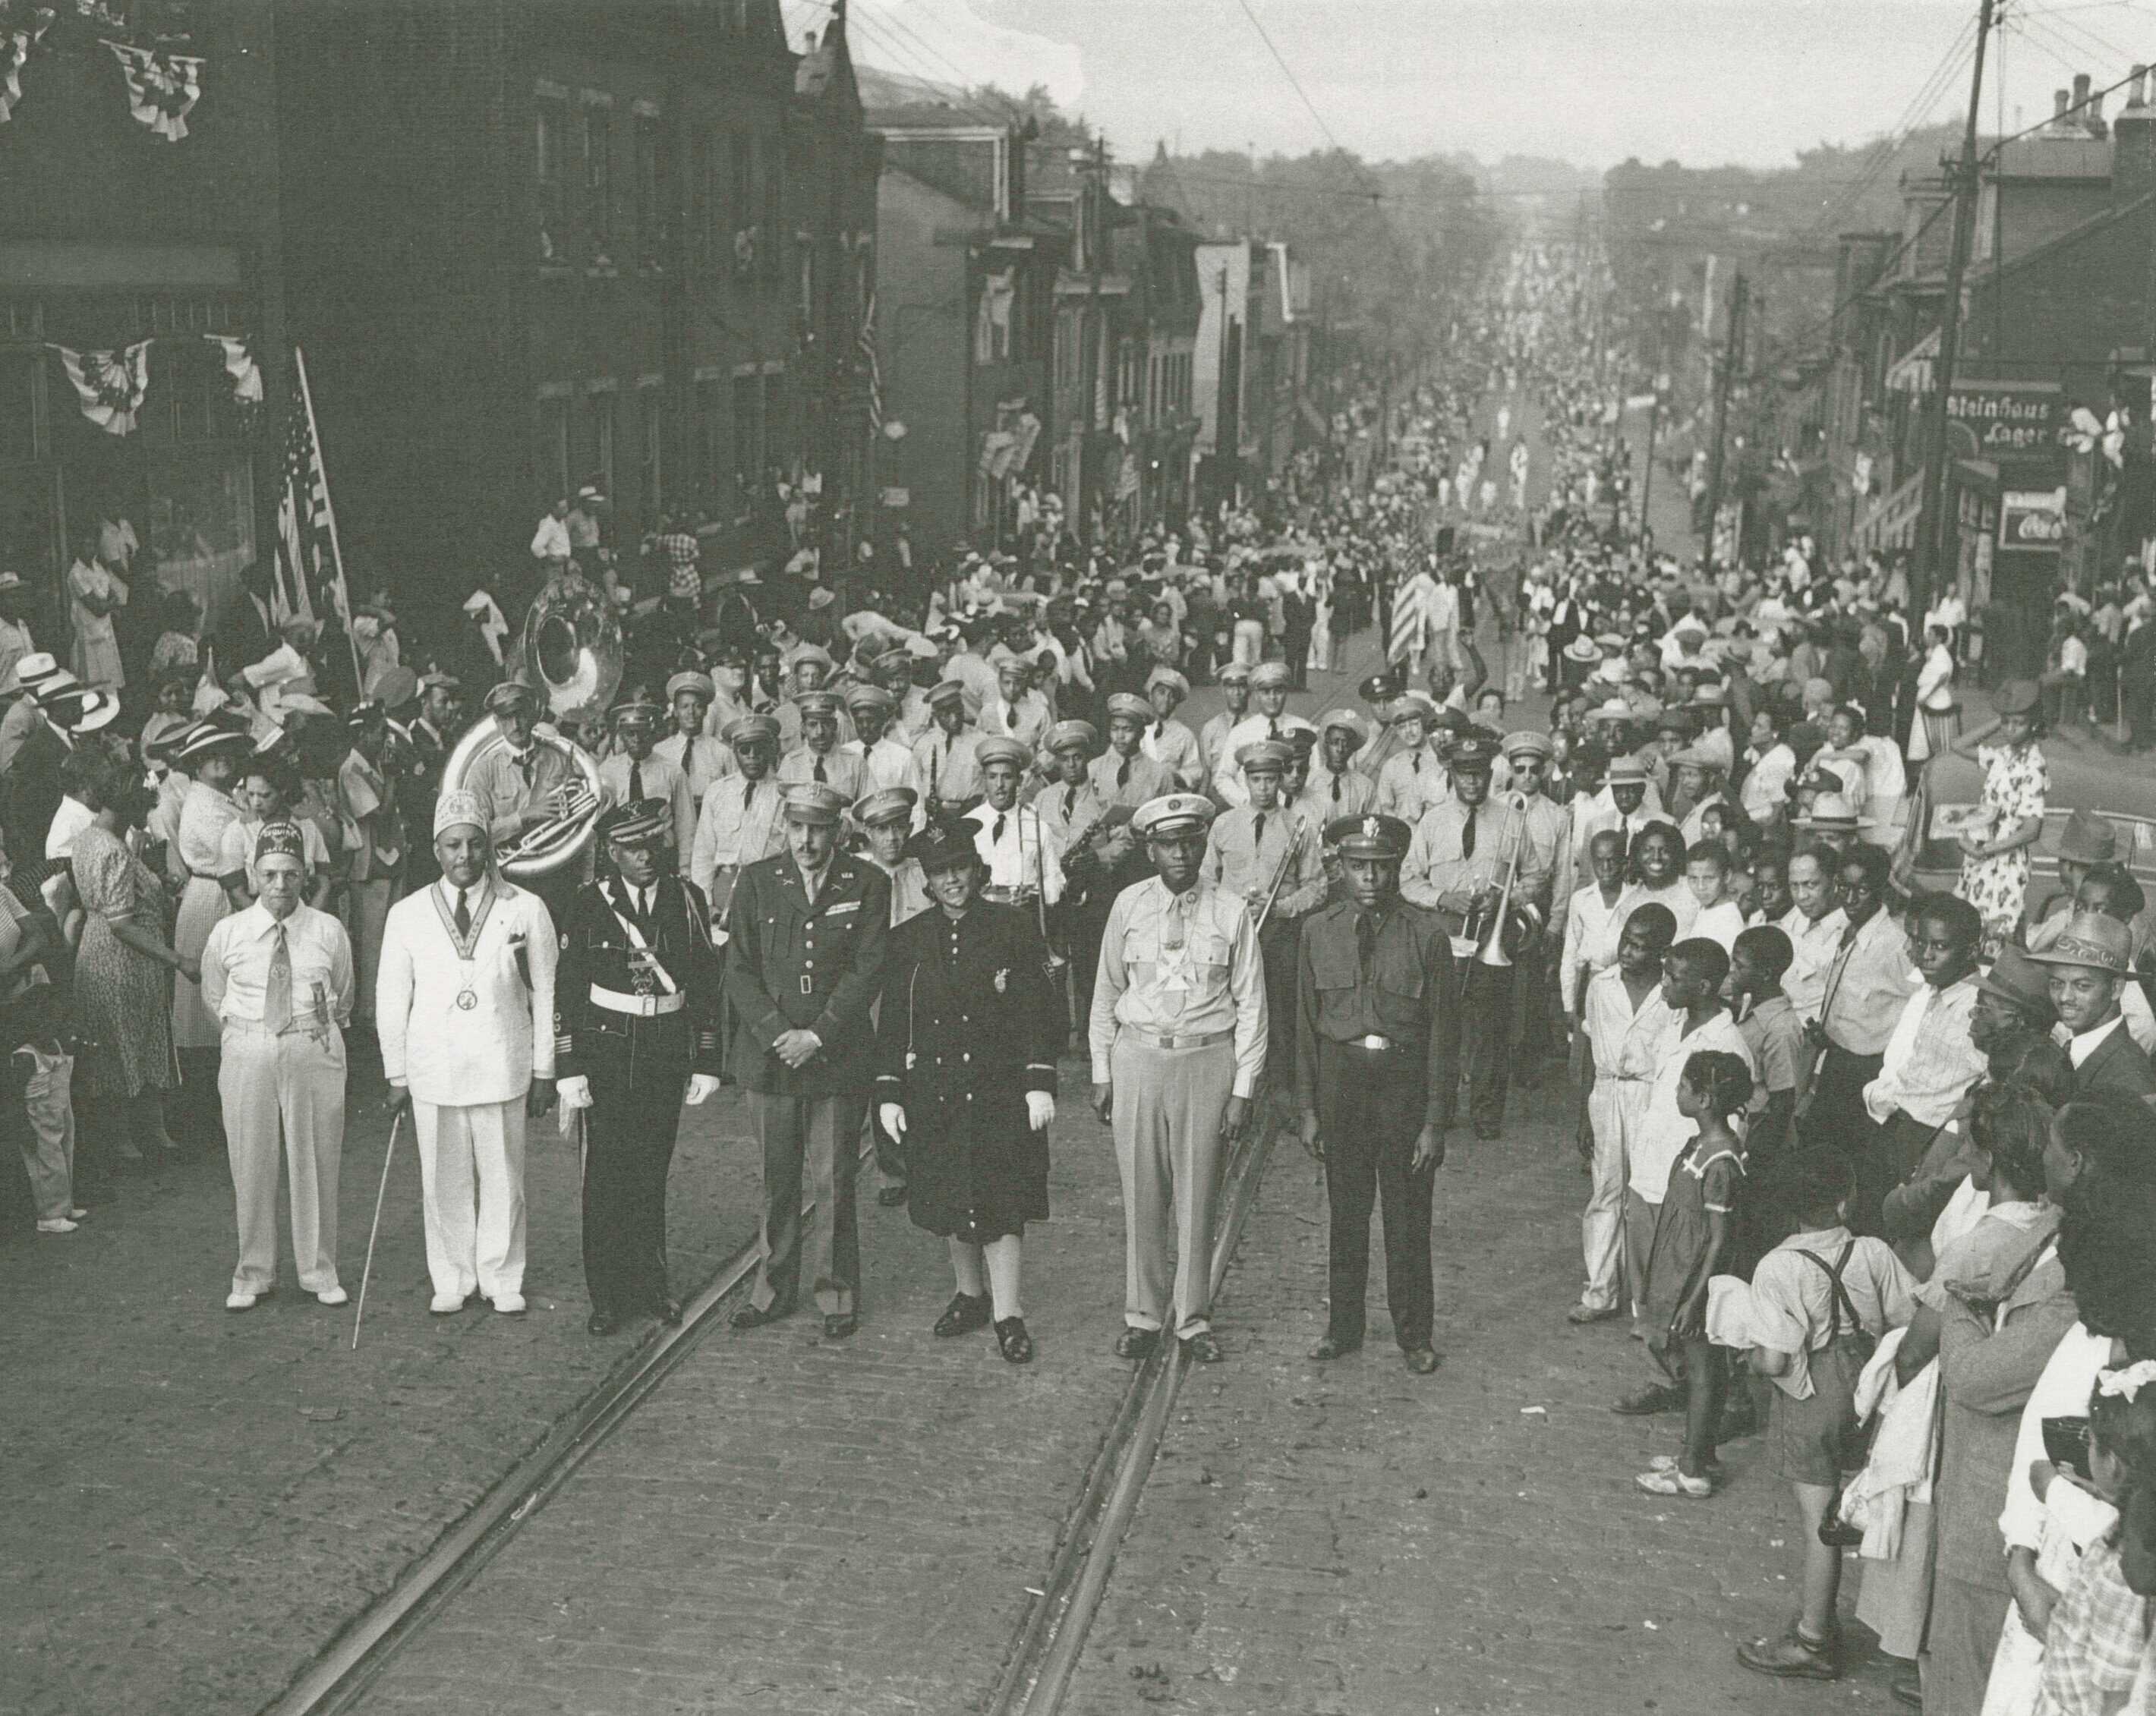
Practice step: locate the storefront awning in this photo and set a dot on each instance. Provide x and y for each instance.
(1892, 522)
(1912, 372)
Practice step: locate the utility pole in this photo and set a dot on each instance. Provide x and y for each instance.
(1930, 566)
(1733, 354)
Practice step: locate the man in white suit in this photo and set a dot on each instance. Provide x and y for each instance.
(465, 1008)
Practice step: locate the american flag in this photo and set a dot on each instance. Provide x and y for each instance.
(866, 340)
(308, 567)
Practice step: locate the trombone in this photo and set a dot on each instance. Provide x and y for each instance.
(1490, 937)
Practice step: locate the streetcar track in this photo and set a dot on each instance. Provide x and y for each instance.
(1051, 1635)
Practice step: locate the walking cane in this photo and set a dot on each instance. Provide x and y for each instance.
(366, 1269)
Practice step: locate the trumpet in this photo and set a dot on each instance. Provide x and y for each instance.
(1490, 937)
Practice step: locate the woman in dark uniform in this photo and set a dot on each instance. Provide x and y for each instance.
(966, 1049)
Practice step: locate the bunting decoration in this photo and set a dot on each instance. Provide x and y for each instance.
(162, 88)
(240, 364)
(110, 384)
(16, 44)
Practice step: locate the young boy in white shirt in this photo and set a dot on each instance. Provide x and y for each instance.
(1720, 918)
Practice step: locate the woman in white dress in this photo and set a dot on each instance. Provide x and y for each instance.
(1938, 716)
(93, 592)
(212, 758)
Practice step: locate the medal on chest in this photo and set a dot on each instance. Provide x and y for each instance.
(467, 947)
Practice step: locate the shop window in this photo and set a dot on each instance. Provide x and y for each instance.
(598, 182)
(552, 171)
(651, 429)
(710, 435)
(651, 223)
(749, 427)
(553, 460)
(595, 448)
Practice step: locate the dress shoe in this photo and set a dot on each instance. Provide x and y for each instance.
(509, 1304)
(77, 1215)
(967, 1312)
(1137, 1343)
(448, 1305)
(601, 1323)
(1204, 1348)
(755, 1316)
(1584, 1314)
(57, 1224)
(1335, 1346)
(667, 1309)
(891, 1196)
(1421, 1359)
(242, 1301)
(332, 1296)
(839, 1324)
(1016, 1344)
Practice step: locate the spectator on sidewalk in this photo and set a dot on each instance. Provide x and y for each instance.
(44, 1063)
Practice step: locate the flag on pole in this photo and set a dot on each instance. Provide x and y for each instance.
(309, 569)
(1414, 606)
(866, 340)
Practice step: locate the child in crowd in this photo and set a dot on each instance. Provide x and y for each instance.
(44, 1070)
(1720, 917)
(1758, 960)
(1819, 1301)
(178, 621)
(1692, 1234)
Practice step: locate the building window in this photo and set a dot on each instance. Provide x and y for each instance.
(651, 224)
(553, 460)
(651, 430)
(774, 211)
(806, 254)
(1067, 351)
(711, 437)
(595, 447)
(749, 428)
(703, 188)
(598, 182)
(551, 170)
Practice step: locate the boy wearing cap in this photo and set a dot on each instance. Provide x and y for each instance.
(741, 820)
(1017, 710)
(1123, 774)
(702, 758)
(1213, 737)
(637, 999)
(887, 758)
(1177, 1036)
(886, 818)
(810, 930)
(633, 772)
(946, 773)
(821, 759)
(1169, 742)
(2088, 839)
(1336, 787)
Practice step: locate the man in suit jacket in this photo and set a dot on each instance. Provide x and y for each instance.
(465, 1007)
(2090, 964)
(803, 968)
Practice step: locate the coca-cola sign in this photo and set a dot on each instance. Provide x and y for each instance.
(2033, 520)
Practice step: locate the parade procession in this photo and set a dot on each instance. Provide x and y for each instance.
(942, 856)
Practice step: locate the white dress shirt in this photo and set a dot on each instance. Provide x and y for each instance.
(235, 965)
(1929, 1062)
(1027, 855)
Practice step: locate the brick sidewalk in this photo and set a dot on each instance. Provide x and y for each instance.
(197, 1501)
(1345, 1539)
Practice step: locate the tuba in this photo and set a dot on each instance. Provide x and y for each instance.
(572, 646)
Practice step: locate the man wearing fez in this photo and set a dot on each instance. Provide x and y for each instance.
(809, 930)
(637, 1000)
(465, 1008)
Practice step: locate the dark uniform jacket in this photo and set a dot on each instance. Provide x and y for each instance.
(1404, 996)
(598, 952)
(791, 966)
(2116, 1067)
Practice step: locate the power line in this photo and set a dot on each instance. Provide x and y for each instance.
(1295, 83)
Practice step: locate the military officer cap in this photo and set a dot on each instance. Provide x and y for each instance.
(1346, 720)
(1412, 706)
(865, 696)
(1528, 743)
(512, 694)
(1129, 703)
(814, 804)
(950, 691)
(634, 711)
(815, 652)
(1474, 755)
(1000, 750)
(1300, 735)
(1265, 756)
(365, 713)
(944, 846)
(699, 683)
(1272, 674)
(890, 804)
(818, 703)
(746, 730)
(1234, 673)
(1368, 837)
(1064, 735)
(1168, 676)
(1379, 688)
(435, 680)
(1170, 814)
(1627, 772)
(642, 822)
(457, 808)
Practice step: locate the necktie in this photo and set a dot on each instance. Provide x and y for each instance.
(1336, 789)
(1272, 728)
(1159, 732)
(1467, 837)
(464, 913)
(277, 992)
(1414, 762)
(820, 775)
(1258, 830)
(1069, 802)
(1365, 939)
(996, 834)
(1123, 774)
(635, 781)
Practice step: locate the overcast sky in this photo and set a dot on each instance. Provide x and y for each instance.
(1591, 81)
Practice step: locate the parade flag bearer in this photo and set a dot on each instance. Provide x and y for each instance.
(636, 999)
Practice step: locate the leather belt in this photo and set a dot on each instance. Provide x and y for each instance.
(1204, 1039)
(637, 1007)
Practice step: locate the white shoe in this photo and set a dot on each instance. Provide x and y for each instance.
(331, 1296)
(58, 1224)
(448, 1305)
(510, 1305)
(78, 1215)
(237, 1301)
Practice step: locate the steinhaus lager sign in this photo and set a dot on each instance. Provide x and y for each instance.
(2008, 420)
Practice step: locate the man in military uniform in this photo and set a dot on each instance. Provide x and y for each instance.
(1546, 858)
(1415, 778)
(1123, 774)
(1213, 737)
(886, 818)
(741, 820)
(1334, 782)
(1457, 861)
(636, 1008)
(945, 775)
(523, 785)
(1024, 858)
(433, 734)
(1374, 1034)
(633, 772)
(698, 754)
(809, 931)
(820, 758)
(1100, 856)
(1177, 1036)
(1270, 682)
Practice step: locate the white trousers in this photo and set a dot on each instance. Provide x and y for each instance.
(1249, 643)
(284, 1099)
(471, 1171)
(1602, 1226)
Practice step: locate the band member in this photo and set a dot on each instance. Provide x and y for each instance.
(1178, 1044)
(1123, 774)
(1100, 856)
(1024, 858)
(633, 772)
(966, 1048)
(698, 755)
(1167, 741)
(886, 757)
(803, 968)
(1374, 1056)
(887, 819)
(1334, 782)
(1415, 778)
(820, 758)
(1234, 680)
(742, 819)
(945, 775)
(636, 999)
(367, 803)
(1547, 828)
(523, 785)
(465, 1007)
(280, 977)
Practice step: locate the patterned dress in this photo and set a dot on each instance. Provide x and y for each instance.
(2016, 782)
(122, 998)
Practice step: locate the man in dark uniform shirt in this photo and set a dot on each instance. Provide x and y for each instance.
(636, 1007)
(1374, 1058)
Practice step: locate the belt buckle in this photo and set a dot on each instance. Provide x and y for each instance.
(808, 984)
(1373, 1040)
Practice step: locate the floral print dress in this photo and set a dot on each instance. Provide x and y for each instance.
(2016, 782)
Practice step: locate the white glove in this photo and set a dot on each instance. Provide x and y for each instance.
(701, 1088)
(893, 1118)
(1040, 1110)
(574, 1093)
